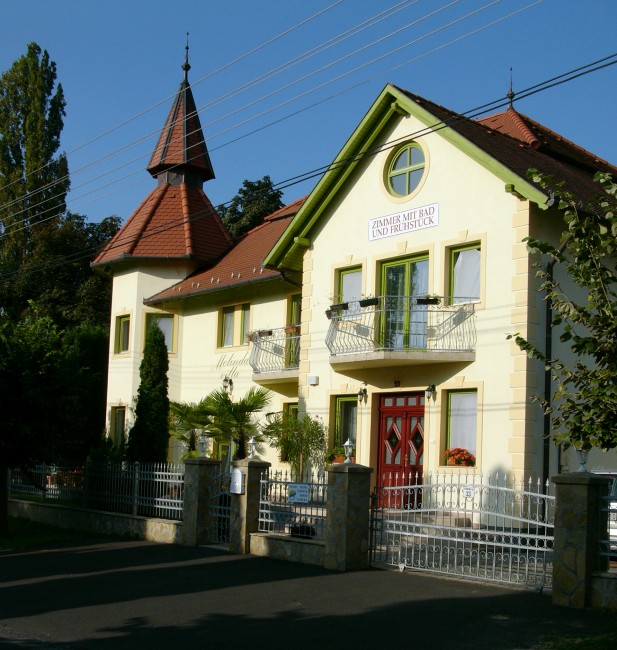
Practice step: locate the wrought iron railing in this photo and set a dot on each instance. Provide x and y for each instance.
(145, 489)
(275, 350)
(391, 323)
(489, 528)
(293, 505)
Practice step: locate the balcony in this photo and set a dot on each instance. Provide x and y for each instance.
(275, 355)
(401, 330)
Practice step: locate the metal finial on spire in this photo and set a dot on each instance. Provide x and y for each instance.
(186, 66)
(511, 93)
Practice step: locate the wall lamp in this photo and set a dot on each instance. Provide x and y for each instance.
(431, 391)
(362, 393)
(228, 384)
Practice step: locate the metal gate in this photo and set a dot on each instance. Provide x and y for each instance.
(460, 525)
(219, 509)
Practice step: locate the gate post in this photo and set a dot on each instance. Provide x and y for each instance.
(198, 475)
(578, 522)
(244, 515)
(348, 513)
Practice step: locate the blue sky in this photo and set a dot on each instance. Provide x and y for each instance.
(120, 65)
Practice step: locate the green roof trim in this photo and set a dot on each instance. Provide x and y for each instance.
(392, 103)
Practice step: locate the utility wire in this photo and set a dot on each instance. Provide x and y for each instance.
(130, 145)
(312, 90)
(503, 101)
(205, 77)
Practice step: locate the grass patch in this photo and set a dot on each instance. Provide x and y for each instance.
(24, 533)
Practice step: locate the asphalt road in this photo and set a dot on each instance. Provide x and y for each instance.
(130, 594)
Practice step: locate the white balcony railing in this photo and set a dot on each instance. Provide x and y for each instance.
(399, 323)
(275, 350)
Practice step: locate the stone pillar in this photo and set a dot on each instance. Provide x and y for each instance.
(244, 516)
(578, 522)
(198, 476)
(347, 525)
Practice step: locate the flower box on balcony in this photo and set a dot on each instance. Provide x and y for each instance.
(428, 300)
(369, 302)
(342, 306)
(292, 329)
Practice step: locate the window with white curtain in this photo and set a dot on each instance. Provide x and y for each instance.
(462, 420)
(465, 274)
(234, 325)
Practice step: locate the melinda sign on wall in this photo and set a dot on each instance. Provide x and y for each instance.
(401, 222)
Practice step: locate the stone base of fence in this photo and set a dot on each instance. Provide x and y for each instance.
(102, 523)
(604, 590)
(578, 522)
(284, 547)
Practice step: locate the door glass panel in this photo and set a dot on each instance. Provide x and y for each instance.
(400, 401)
(397, 457)
(404, 321)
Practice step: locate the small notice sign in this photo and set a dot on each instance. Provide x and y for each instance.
(298, 493)
(403, 222)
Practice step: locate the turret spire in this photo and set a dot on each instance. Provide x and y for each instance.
(181, 148)
(186, 65)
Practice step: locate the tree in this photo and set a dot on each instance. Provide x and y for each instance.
(30, 354)
(255, 201)
(187, 420)
(300, 441)
(33, 180)
(583, 408)
(233, 420)
(149, 437)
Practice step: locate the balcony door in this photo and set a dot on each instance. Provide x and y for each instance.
(404, 322)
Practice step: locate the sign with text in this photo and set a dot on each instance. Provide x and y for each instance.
(401, 222)
(298, 492)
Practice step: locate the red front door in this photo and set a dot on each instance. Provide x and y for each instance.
(401, 446)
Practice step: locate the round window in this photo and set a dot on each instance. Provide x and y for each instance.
(406, 170)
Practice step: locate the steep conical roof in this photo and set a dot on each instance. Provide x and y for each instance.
(176, 221)
(182, 142)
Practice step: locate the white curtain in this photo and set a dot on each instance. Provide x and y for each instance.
(463, 420)
(467, 275)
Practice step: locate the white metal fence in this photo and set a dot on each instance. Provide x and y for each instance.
(608, 538)
(145, 489)
(293, 505)
(465, 525)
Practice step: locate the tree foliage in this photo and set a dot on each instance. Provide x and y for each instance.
(234, 419)
(149, 437)
(187, 421)
(33, 179)
(300, 441)
(583, 408)
(255, 201)
(44, 251)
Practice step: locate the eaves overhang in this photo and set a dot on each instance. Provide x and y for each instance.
(392, 103)
(181, 294)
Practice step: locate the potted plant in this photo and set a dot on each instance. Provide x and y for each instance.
(459, 456)
(300, 440)
(428, 300)
(335, 455)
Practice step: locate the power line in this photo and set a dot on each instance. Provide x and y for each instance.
(208, 76)
(469, 114)
(310, 91)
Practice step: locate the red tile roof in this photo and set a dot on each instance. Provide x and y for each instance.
(241, 265)
(520, 143)
(181, 142)
(173, 222)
